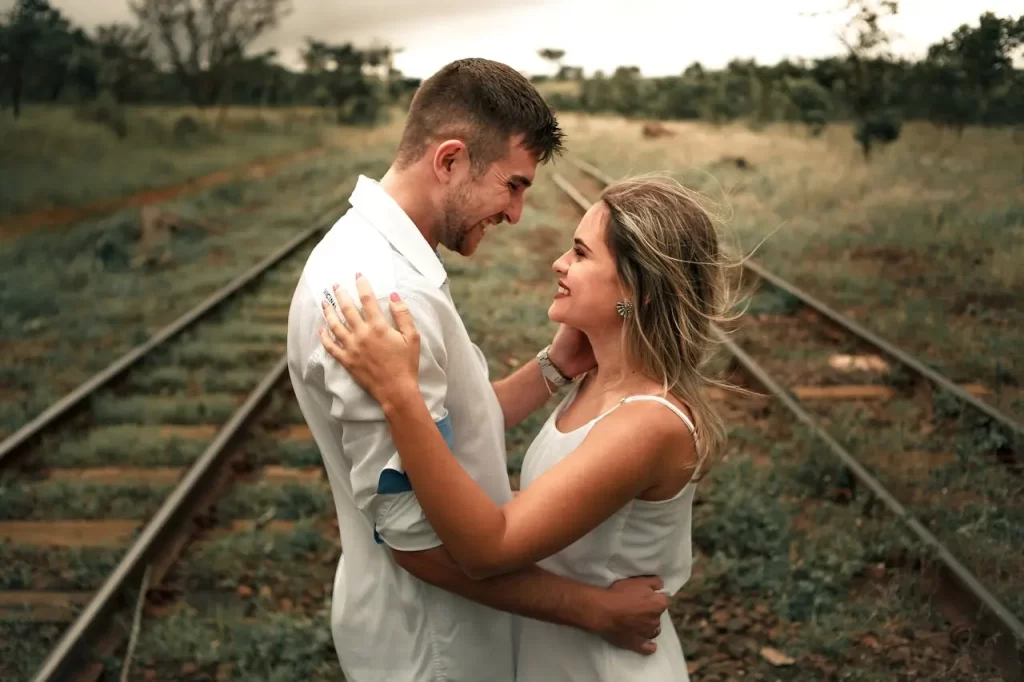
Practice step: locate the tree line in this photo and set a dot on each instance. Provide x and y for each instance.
(201, 52)
(187, 51)
(966, 78)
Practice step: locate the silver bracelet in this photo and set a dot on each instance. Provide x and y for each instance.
(550, 372)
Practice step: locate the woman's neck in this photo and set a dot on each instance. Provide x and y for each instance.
(615, 376)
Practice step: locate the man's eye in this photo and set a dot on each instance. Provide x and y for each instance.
(512, 186)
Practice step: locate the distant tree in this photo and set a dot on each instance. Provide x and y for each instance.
(810, 102)
(125, 60)
(36, 44)
(968, 69)
(355, 80)
(554, 56)
(569, 73)
(866, 88)
(694, 70)
(203, 40)
(730, 95)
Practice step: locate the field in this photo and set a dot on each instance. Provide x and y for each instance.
(921, 245)
(45, 153)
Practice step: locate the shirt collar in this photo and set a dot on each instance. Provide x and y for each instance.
(383, 212)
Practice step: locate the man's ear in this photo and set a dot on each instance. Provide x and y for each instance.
(451, 158)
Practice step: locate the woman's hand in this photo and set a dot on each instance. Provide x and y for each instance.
(571, 352)
(382, 359)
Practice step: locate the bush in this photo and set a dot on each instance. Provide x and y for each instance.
(185, 126)
(105, 111)
(882, 127)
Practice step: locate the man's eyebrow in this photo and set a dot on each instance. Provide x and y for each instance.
(580, 242)
(521, 180)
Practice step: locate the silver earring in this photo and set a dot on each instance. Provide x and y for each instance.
(624, 308)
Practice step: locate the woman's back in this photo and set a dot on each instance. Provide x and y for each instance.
(642, 538)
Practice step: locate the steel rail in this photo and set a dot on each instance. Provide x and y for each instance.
(171, 521)
(880, 344)
(60, 409)
(968, 580)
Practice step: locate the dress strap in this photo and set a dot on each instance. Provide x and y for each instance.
(657, 398)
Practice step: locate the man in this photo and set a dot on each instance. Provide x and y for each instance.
(403, 611)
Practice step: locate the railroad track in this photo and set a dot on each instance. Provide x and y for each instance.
(891, 434)
(191, 436)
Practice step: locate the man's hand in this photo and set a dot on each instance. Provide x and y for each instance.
(632, 613)
(571, 352)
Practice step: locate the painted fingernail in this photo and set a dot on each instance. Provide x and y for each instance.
(358, 275)
(395, 297)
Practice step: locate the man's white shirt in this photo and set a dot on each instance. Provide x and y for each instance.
(387, 624)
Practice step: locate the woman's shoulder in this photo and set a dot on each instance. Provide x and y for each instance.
(652, 423)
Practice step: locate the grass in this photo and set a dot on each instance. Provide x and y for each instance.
(828, 576)
(24, 645)
(269, 646)
(782, 562)
(289, 501)
(109, 305)
(940, 460)
(288, 562)
(54, 159)
(52, 500)
(57, 569)
(922, 245)
(131, 445)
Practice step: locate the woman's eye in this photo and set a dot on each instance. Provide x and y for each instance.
(578, 252)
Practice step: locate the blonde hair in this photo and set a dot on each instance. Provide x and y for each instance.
(670, 260)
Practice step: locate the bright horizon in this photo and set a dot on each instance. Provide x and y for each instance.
(660, 37)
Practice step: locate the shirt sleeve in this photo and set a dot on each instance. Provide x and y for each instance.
(379, 484)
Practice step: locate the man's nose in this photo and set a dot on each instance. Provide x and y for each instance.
(515, 211)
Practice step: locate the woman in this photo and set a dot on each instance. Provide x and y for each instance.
(608, 483)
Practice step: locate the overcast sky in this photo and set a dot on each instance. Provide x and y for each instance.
(661, 37)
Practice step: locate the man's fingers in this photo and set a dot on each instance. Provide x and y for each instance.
(371, 309)
(643, 646)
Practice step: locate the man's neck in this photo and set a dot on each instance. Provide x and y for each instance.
(406, 190)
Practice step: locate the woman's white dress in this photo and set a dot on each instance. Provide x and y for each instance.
(642, 538)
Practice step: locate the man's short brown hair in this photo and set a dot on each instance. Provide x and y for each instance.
(483, 103)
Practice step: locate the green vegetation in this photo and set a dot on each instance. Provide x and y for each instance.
(290, 563)
(135, 106)
(54, 158)
(967, 78)
(45, 351)
(268, 646)
(80, 500)
(132, 446)
(288, 501)
(919, 247)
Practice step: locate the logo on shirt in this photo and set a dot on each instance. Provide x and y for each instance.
(330, 298)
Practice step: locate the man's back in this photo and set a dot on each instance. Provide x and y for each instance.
(387, 624)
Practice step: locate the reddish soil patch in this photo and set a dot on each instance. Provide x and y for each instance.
(50, 217)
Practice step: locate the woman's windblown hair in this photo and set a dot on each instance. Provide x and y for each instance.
(670, 259)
